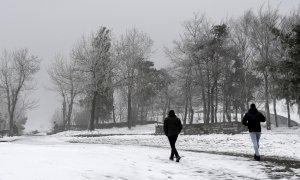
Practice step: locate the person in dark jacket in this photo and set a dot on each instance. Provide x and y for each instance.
(252, 119)
(172, 128)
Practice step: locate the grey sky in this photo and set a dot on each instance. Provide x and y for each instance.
(50, 26)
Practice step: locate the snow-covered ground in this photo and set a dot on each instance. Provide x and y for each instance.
(279, 142)
(282, 110)
(119, 153)
(47, 157)
(139, 129)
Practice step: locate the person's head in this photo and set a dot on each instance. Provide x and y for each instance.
(171, 113)
(253, 108)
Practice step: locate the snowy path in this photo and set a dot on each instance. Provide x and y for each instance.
(50, 158)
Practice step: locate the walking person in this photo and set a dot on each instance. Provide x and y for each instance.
(252, 119)
(172, 128)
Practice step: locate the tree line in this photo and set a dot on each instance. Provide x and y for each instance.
(221, 68)
(105, 79)
(17, 70)
(217, 70)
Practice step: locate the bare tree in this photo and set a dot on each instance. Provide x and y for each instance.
(240, 38)
(262, 40)
(132, 48)
(184, 56)
(203, 54)
(16, 77)
(120, 103)
(65, 80)
(93, 60)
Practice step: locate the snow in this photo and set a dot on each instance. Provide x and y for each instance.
(139, 154)
(10, 139)
(139, 129)
(54, 159)
(282, 110)
(280, 142)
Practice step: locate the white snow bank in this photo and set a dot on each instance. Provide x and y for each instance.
(90, 161)
(280, 142)
(10, 139)
(139, 129)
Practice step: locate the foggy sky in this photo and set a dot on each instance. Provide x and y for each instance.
(47, 27)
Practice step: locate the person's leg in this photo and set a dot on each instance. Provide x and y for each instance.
(172, 144)
(258, 134)
(174, 148)
(254, 141)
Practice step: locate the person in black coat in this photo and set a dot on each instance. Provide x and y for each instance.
(252, 119)
(172, 128)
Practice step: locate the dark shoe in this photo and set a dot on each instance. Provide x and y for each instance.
(171, 158)
(257, 158)
(178, 159)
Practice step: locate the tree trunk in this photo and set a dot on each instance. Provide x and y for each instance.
(120, 115)
(224, 103)
(169, 104)
(152, 111)
(113, 108)
(228, 109)
(146, 115)
(185, 109)
(204, 104)
(242, 114)
(192, 116)
(268, 120)
(11, 117)
(11, 124)
(114, 115)
(164, 114)
(208, 104)
(142, 114)
(64, 109)
(245, 95)
(275, 112)
(224, 109)
(247, 101)
(216, 105)
(93, 108)
(242, 104)
(212, 109)
(236, 114)
(96, 122)
(129, 109)
(69, 114)
(191, 113)
(288, 111)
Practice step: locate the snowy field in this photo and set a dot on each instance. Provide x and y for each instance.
(48, 158)
(137, 154)
(280, 142)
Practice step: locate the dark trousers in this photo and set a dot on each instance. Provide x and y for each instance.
(172, 140)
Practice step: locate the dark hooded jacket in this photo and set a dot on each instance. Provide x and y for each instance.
(172, 125)
(252, 119)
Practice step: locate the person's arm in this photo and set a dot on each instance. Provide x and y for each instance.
(165, 127)
(262, 118)
(245, 120)
(180, 126)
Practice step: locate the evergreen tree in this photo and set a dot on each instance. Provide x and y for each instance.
(293, 64)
